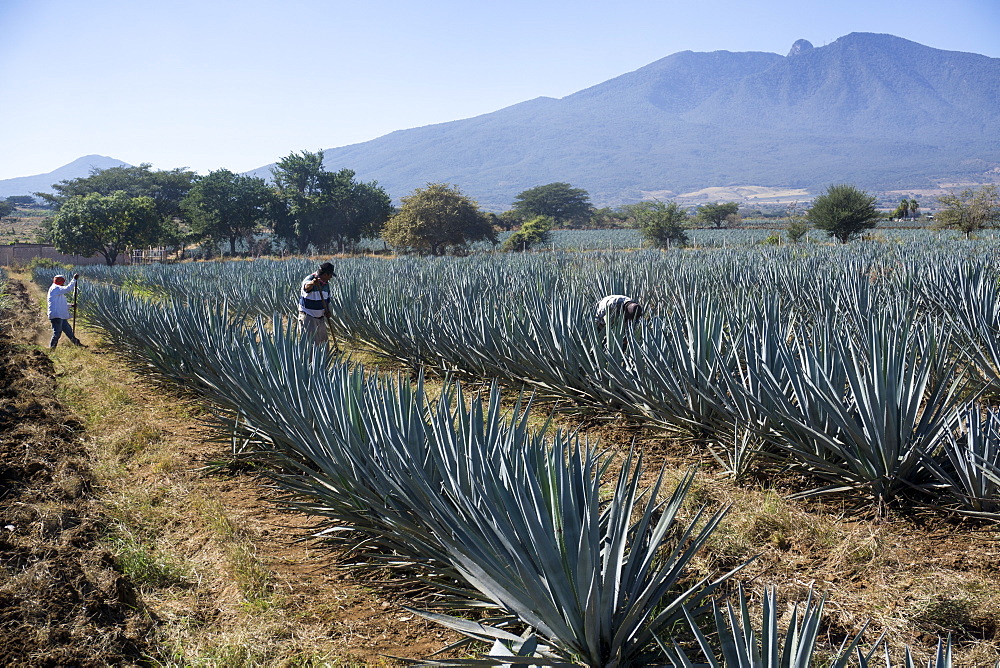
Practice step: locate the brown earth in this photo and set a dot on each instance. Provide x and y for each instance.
(62, 601)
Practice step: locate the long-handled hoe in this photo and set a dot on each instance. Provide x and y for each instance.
(331, 332)
(76, 300)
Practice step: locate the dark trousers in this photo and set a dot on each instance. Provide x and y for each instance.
(60, 325)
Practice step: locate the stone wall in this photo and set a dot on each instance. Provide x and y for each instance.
(20, 254)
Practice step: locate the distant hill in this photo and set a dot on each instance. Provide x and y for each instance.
(26, 185)
(877, 111)
(874, 110)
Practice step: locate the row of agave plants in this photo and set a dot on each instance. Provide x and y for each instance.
(869, 381)
(498, 516)
(863, 369)
(4, 299)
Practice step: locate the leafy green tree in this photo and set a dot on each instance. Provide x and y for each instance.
(105, 224)
(325, 209)
(534, 232)
(661, 225)
(227, 206)
(796, 229)
(436, 218)
(43, 235)
(844, 212)
(22, 200)
(718, 214)
(796, 225)
(906, 209)
(970, 211)
(6, 208)
(903, 209)
(608, 218)
(508, 220)
(561, 202)
(167, 188)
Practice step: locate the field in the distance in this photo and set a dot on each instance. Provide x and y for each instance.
(23, 225)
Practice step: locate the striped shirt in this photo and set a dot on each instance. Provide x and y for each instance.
(612, 303)
(314, 303)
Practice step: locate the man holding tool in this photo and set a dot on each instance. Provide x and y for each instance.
(314, 304)
(59, 309)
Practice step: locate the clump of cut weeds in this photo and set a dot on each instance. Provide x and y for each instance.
(251, 574)
(966, 611)
(146, 565)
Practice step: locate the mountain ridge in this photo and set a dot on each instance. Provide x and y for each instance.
(28, 185)
(876, 110)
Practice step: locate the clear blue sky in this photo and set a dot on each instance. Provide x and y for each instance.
(207, 84)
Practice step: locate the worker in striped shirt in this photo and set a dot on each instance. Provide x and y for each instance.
(617, 306)
(314, 303)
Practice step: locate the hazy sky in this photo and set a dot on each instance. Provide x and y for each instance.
(207, 84)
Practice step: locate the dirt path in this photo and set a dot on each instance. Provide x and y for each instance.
(62, 602)
(230, 581)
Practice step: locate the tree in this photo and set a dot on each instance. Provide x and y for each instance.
(797, 228)
(534, 232)
(227, 206)
(105, 224)
(167, 188)
(719, 214)
(561, 202)
(902, 211)
(970, 211)
(843, 212)
(608, 218)
(436, 218)
(325, 209)
(22, 200)
(6, 208)
(661, 225)
(508, 220)
(914, 209)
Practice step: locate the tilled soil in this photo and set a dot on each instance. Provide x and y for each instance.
(61, 600)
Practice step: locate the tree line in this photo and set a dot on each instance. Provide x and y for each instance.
(308, 208)
(305, 207)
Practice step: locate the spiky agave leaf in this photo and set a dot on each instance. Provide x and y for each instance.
(596, 587)
(864, 422)
(741, 643)
(970, 466)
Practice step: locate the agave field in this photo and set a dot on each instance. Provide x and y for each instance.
(3, 288)
(869, 371)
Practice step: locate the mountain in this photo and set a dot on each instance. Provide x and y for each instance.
(26, 185)
(873, 110)
(877, 111)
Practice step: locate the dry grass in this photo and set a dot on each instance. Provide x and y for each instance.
(23, 226)
(887, 574)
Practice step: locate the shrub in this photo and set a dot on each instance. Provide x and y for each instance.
(534, 232)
